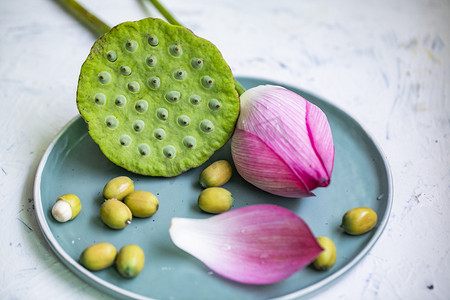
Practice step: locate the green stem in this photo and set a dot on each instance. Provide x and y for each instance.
(166, 14)
(239, 88)
(97, 26)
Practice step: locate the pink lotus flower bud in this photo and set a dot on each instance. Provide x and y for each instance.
(282, 143)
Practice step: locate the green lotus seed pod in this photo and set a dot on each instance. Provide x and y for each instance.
(359, 220)
(98, 256)
(66, 208)
(215, 200)
(142, 204)
(327, 258)
(119, 187)
(115, 214)
(177, 73)
(216, 174)
(130, 261)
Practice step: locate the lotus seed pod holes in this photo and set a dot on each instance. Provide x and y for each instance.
(157, 99)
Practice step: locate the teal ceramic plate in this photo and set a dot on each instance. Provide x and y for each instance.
(74, 164)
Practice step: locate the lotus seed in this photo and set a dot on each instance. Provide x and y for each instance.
(125, 140)
(214, 104)
(195, 99)
(173, 96)
(162, 113)
(206, 126)
(131, 45)
(175, 50)
(184, 120)
(144, 149)
(153, 41)
(111, 56)
(160, 134)
(169, 151)
(111, 122)
(120, 101)
(133, 86)
(100, 99)
(125, 70)
(141, 106)
(151, 60)
(180, 74)
(104, 77)
(207, 82)
(189, 142)
(154, 82)
(138, 125)
(197, 63)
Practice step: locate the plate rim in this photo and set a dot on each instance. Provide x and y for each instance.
(108, 287)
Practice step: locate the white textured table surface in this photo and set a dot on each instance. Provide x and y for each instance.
(387, 63)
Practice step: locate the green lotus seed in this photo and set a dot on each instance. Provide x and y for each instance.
(154, 82)
(138, 125)
(207, 82)
(173, 96)
(162, 113)
(134, 86)
(125, 70)
(214, 104)
(100, 99)
(120, 101)
(125, 140)
(151, 60)
(179, 74)
(169, 151)
(144, 149)
(175, 50)
(184, 120)
(189, 142)
(131, 45)
(206, 126)
(197, 63)
(104, 77)
(111, 56)
(141, 106)
(160, 134)
(153, 41)
(195, 99)
(111, 122)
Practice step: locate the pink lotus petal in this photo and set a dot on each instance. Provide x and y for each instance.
(292, 128)
(258, 244)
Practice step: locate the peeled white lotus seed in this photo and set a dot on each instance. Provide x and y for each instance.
(61, 211)
(66, 208)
